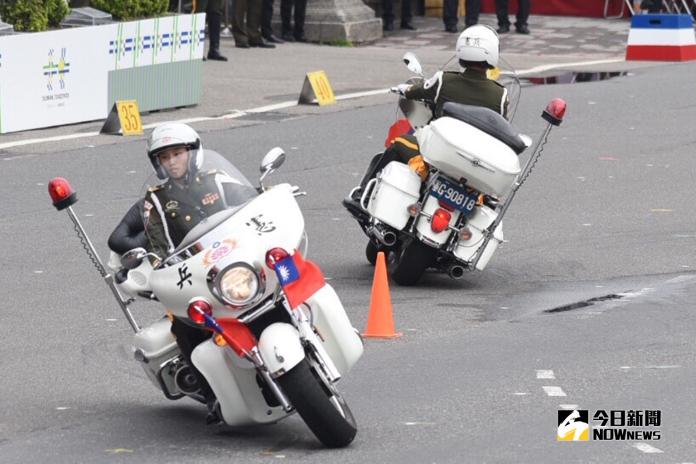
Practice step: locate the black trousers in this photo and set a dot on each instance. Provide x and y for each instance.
(286, 6)
(266, 17)
(473, 8)
(449, 12)
(213, 16)
(501, 10)
(388, 11)
(395, 152)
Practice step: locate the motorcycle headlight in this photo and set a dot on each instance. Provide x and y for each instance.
(238, 284)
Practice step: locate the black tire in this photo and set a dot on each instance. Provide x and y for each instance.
(314, 404)
(371, 251)
(408, 263)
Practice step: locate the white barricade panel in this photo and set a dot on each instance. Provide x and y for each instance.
(61, 77)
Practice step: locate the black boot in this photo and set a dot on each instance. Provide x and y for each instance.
(214, 20)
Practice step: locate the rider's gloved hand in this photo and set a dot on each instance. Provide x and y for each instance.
(401, 89)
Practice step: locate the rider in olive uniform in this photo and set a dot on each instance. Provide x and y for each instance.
(477, 50)
(188, 196)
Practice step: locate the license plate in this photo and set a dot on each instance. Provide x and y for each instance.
(454, 195)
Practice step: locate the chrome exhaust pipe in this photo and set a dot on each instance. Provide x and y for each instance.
(384, 235)
(456, 271)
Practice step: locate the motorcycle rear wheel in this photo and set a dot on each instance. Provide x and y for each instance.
(325, 412)
(408, 263)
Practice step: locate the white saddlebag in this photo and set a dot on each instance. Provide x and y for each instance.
(461, 150)
(395, 188)
(156, 346)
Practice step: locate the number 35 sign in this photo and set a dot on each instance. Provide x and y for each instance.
(123, 117)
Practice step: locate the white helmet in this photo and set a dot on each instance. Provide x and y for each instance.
(479, 43)
(174, 135)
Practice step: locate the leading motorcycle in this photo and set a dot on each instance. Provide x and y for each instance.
(275, 336)
(452, 219)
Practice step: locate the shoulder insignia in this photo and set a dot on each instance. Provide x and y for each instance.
(433, 80)
(155, 188)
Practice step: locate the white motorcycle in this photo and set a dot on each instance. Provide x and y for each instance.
(452, 221)
(263, 357)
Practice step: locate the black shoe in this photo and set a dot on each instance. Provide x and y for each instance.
(408, 26)
(242, 45)
(355, 209)
(452, 29)
(301, 39)
(503, 29)
(261, 44)
(273, 39)
(213, 416)
(214, 54)
(388, 27)
(523, 29)
(288, 38)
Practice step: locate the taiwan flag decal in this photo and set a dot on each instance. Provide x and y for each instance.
(299, 278)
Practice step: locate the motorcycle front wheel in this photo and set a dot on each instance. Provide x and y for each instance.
(325, 412)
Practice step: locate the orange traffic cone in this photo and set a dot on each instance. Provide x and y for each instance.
(380, 321)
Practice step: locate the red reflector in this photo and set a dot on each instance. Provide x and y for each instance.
(440, 220)
(196, 308)
(445, 205)
(274, 255)
(61, 193)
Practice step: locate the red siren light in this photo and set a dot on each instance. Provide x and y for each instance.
(196, 309)
(274, 255)
(61, 193)
(555, 111)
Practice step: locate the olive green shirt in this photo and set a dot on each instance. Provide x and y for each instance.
(471, 87)
(172, 210)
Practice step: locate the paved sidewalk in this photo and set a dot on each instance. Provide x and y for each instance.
(591, 38)
(256, 78)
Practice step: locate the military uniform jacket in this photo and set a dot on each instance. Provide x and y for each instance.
(171, 210)
(470, 87)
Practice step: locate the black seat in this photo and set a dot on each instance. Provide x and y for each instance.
(488, 121)
(130, 232)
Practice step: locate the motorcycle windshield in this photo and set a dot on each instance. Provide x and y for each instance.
(177, 212)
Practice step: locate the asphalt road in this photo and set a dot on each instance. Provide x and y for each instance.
(608, 212)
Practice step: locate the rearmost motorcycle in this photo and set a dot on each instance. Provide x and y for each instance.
(452, 220)
(275, 336)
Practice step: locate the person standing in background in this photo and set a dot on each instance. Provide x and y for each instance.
(450, 15)
(472, 11)
(293, 33)
(266, 18)
(213, 16)
(388, 15)
(501, 10)
(246, 24)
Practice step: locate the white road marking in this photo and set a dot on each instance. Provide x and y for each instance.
(665, 366)
(89, 215)
(111, 320)
(587, 224)
(38, 271)
(548, 67)
(568, 406)
(504, 307)
(62, 408)
(419, 423)
(644, 447)
(554, 391)
(520, 393)
(283, 105)
(545, 374)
